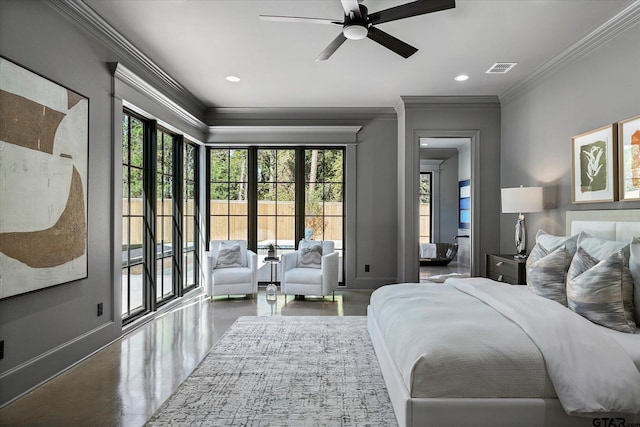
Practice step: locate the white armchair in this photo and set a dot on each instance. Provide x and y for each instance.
(300, 277)
(230, 269)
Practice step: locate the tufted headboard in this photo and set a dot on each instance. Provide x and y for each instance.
(622, 224)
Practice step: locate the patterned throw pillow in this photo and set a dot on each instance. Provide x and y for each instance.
(634, 266)
(547, 273)
(229, 255)
(310, 255)
(602, 290)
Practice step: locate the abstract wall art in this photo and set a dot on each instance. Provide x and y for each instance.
(44, 141)
(629, 158)
(593, 166)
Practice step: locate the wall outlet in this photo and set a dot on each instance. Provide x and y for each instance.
(2, 349)
(99, 309)
(367, 268)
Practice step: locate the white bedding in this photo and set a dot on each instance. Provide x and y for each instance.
(591, 372)
(467, 351)
(494, 357)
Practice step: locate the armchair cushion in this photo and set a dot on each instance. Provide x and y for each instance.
(311, 276)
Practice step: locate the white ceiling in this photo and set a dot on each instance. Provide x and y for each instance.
(199, 42)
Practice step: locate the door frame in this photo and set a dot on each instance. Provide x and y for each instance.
(474, 136)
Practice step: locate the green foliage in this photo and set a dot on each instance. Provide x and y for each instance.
(425, 187)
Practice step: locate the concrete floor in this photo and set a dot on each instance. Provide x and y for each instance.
(126, 382)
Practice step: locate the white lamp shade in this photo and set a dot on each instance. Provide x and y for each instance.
(521, 199)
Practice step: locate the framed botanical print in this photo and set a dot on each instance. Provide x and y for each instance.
(629, 158)
(593, 166)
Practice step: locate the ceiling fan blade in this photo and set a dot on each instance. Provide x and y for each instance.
(351, 6)
(390, 42)
(333, 46)
(419, 7)
(299, 19)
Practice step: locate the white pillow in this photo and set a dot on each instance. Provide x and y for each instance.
(602, 248)
(551, 242)
(229, 255)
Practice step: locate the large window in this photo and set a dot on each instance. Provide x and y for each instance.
(133, 260)
(159, 216)
(324, 190)
(276, 199)
(190, 216)
(228, 189)
(425, 207)
(269, 195)
(164, 215)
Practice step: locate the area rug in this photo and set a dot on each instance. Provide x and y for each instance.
(284, 371)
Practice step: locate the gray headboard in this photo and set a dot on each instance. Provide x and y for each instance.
(621, 224)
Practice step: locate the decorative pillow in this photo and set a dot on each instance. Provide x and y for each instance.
(601, 291)
(229, 255)
(310, 255)
(602, 248)
(547, 272)
(551, 242)
(634, 266)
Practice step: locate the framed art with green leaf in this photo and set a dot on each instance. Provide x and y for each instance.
(629, 158)
(593, 164)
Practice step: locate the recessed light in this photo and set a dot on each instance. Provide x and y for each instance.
(461, 78)
(233, 79)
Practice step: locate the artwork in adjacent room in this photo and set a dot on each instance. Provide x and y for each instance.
(629, 158)
(44, 137)
(593, 166)
(464, 206)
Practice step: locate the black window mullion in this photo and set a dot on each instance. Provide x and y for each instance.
(252, 198)
(150, 209)
(300, 198)
(177, 212)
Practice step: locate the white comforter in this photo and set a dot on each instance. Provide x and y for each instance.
(590, 371)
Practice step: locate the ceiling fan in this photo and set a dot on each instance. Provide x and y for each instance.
(358, 23)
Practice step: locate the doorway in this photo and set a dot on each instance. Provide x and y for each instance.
(445, 208)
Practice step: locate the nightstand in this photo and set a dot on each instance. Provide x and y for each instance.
(506, 268)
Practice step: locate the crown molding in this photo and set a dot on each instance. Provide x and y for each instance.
(611, 29)
(287, 135)
(127, 76)
(450, 102)
(221, 116)
(87, 18)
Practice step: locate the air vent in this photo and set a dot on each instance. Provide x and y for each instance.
(501, 67)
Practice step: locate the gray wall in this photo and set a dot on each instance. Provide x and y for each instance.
(48, 330)
(538, 122)
(475, 117)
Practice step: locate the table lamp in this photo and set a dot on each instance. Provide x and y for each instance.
(521, 200)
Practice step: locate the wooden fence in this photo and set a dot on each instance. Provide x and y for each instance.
(231, 216)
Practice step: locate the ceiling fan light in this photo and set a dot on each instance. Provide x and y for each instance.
(355, 32)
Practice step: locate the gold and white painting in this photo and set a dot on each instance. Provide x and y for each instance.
(593, 163)
(44, 135)
(629, 158)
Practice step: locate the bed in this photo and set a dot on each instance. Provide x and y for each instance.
(477, 352)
